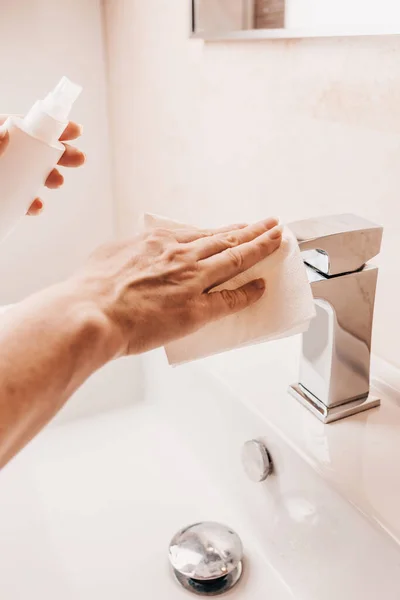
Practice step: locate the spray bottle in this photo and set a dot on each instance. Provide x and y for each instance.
(32, 152)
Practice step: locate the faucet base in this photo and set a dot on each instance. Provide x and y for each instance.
(328, 414)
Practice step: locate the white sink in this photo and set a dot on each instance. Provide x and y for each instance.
(88, 509)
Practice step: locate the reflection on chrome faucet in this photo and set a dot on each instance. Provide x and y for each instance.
(336, 352)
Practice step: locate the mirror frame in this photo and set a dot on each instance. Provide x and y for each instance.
(282, 34)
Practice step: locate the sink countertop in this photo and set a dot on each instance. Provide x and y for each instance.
(359, 455)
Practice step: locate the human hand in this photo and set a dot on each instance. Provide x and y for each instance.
(154, 288)
(72, 157)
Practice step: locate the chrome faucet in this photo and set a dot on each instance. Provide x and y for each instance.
(336, 350)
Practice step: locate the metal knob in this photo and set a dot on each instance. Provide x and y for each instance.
(206, 558)
(256, 460)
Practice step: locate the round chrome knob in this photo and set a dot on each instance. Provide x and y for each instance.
(206, 558)
(256, 461)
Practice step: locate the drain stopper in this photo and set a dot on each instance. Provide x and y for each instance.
(206, 558)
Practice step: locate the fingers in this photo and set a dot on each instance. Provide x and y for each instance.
(229, 263)
(3, 141)
(35, 208)
(228, 302)
(72, 157)
(184, 236)
(54, 180)
(71, 132)
(223, 240)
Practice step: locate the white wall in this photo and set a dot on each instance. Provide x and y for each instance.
(41, 40)
(312, 14)
(230, 131)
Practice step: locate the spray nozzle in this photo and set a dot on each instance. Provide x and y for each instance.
(58, 103)
(48, 118)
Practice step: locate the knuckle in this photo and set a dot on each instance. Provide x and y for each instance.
(265, 246)
(157, 236)
(230, 240)
(176, 253)
(236, 257)
(153, 235)
(243, 297)
(201, 233)
(179, 265)
(153, 244)
(231, 299)
(157, 240)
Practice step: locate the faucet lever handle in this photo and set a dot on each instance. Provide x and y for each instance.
(337, 244)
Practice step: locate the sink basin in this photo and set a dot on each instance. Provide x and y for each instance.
(87, 510)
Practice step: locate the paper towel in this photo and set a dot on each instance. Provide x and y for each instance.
(286, 308)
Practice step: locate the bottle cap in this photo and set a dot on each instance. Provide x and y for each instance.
(58, 103)
(48, 118)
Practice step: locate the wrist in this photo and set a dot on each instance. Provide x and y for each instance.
(93, 328)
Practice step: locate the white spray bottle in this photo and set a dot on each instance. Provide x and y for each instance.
(32, 152)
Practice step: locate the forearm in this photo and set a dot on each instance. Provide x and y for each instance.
(49, 345)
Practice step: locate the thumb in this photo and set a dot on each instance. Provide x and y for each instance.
(3, 140)
(228, 302)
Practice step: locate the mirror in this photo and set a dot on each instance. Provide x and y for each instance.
(262, 19)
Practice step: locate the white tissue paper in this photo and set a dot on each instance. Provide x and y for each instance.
(286, 308)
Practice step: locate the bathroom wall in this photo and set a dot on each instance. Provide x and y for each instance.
(41, 40)
(345, 13)
(228, 131)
